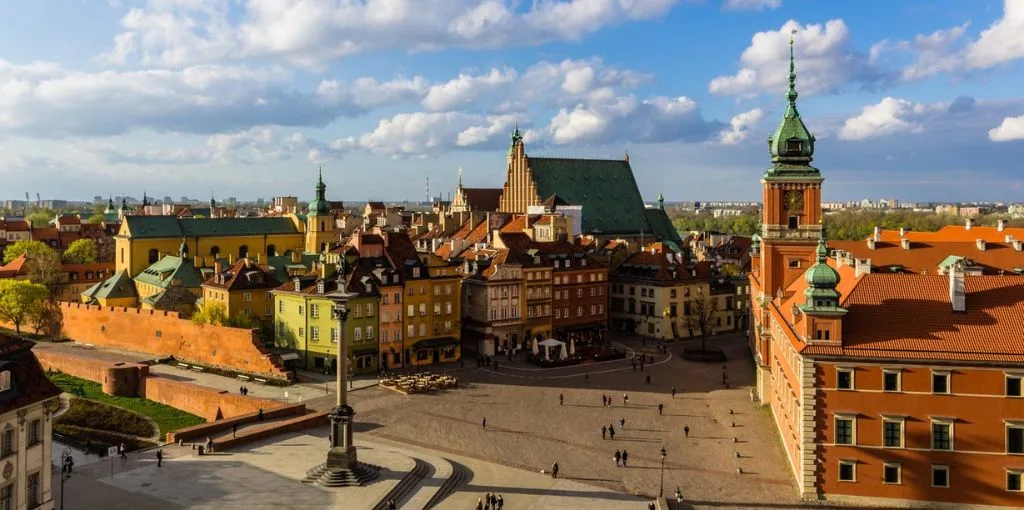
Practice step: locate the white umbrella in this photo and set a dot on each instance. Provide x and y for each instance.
(572, 347)
(536, 351)
(547, 353)
(564, 352)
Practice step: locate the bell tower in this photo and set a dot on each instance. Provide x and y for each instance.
(320, 235)
(791, 218)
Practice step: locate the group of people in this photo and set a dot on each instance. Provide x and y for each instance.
(622, 457)
(243, 390)
(489, 502)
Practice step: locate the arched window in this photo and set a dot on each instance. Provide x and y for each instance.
(321, 226)
(215, 251)
(154, 255)
(243, 251)
(323, 247)
(271, 250)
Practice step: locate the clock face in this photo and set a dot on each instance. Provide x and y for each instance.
(794, 200)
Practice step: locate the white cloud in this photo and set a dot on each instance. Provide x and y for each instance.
(751, 5)
(1012, 128)
(368, 93)
(825, 62)
(934, 53)
(466, 89)
(889, 116)
(658, 119)
(315, 32)
(1002, 42)
(419, 133)
(740, 127)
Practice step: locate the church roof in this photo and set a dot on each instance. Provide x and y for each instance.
(170, 226)
(662, 225)
(164, 271)
(605, 188)
(483, 199)
(117, 286)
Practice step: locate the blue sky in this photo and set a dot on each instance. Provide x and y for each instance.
(912, 99)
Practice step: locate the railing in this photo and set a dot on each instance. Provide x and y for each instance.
(803, 232)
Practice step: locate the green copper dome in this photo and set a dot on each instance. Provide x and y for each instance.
(516, 137)
(320, 206)
(821, 295)
(792, 144)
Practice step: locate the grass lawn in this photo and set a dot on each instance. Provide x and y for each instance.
(91, 414)
(166, 417)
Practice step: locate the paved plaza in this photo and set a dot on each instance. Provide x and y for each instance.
(527, 430)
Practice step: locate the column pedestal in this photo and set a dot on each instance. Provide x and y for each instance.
(342, 468)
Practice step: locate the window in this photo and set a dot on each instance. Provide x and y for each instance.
(448, 308)
(844, 429)
(7, 442)
(7, 498)
(892, 433)
(415, 272)
(268, 310)
(891, 473)
(793, 222)
(369, 332)
(794, 263)
(940, 382)
(302, 332)
(302, 310)
(1013, 481)
(423, 308)
(600, 309)
(314, 310)
(334, 335)
(437, 308)
(891, 380)
(314, 333)
(5, 380)
(33, 490)
(35, 432)
(423, 330)
(847, 471)
(1015, 438)
(154, 255)
(412, 331)
(412, 310)
(1013, 386)
(247, 297)
(280, 307)
(793, 146)
(942, 435)
(369, 309)
(558, 313)
(579, 311)
(280, 329)
(357, 334)
(593, 310)
(940, 476)
(243, 251)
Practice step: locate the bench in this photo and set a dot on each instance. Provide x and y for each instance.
(197, 368)
(183, 365)
(242, 377)
(257, 379)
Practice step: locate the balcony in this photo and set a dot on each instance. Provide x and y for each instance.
(801, 233)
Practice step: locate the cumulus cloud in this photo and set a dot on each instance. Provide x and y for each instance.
(740, 127)
(1012, 128)
(964, 117)
(659, 119)
(889, 116)
(751, 5)
(419, 133)
(315, 32)
(1000, 43)
(466, 89)
(825, 60)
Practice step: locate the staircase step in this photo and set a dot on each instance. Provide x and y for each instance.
(404, 489)
(460, 476)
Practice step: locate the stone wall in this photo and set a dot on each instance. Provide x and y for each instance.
(205, 430)
(208, 403)
(164, 333)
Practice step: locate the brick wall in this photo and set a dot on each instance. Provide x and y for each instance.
(78, 366)
(307, 421)
(204, 430)
(165, 333)
(207, 403)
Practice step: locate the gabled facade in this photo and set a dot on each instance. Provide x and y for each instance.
(245, 288)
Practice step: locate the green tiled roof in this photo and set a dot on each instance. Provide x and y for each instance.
(604, 187)
(169, 268)
(662, 225)
(171, 226)
(280, 264)
(117, 286)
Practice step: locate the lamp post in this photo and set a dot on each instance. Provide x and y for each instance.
(661, 492)
(66, 463)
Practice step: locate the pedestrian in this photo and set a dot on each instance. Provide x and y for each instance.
(604, 400)
(679, 496)
(391, 504)
(501, 502)
(650, 506)
(611, 432)
(234, 429)
(261, 414)
(648, 378)
(479, 504)
(625, 399)
(625, 455)
(159, 458)
(673, 392)
(494, 500)
(241, 390)
(483, 423)
(586, 378)
(123, 451)
(686, 431)
(561, 399)
(618, 458)
(661, 407)
(604, 431)
(554, 470)
(622, 423)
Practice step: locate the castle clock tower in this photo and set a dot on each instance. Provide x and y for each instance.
(791, 219)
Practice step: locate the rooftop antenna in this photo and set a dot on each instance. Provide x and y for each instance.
(428, 190)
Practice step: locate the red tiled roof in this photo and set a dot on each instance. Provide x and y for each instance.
(924, 257)
(956, 233)
(17, 225)
(239, 276)
(15, 267)
(29, 383)
(69, 219)
(900, 316)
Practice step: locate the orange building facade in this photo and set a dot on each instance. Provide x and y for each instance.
(886, 388)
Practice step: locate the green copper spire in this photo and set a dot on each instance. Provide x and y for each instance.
(821, 295)
(792, 144)
(319, 206)
(110, 206)
(516, 138)
(661, 202)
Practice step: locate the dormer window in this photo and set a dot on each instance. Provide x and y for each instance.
(320, 287)
(5, 380)
(415, 272)
(794, 146)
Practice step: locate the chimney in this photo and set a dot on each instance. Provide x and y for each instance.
(861, 266)
(1001, 225)
(298, 284)
(903, 231)
(218, 267)
(905, 243)
(1009, 238)
(968, 223)
(296, 257)
(1018, 245)
(980, 243)
(871, 243)
(877, 234)
(957, 294)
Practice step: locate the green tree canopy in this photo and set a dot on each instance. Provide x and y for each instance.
(20, 300)
(81, 251)
(40, 218)
(211, 312)
(32, 248)
(96, 218)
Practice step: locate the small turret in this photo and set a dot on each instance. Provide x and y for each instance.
(821, 294)
(661, 202)
(319, 206)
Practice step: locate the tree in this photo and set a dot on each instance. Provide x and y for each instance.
(44, 269)
(20, 300)
(241, 320)
(96, 218)
(729, 269)
(81, 251)
(702, 311)
(22, 247)
(40, 218)
(47, 319)
(211, 312)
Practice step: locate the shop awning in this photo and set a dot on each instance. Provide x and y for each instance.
(434, 343)
(288, 356)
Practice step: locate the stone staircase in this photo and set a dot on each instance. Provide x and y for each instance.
(460, 476)
(360, 475)
(401, 492)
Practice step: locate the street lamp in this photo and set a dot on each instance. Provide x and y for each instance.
(661, 492)
(66, 463)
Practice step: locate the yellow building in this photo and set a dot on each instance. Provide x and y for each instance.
(244, 288)
(320, 234)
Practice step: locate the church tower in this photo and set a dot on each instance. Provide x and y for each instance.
(320, 235)
(791, 219)
(520, 191)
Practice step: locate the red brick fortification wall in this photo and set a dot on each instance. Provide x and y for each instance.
(208, 403)
(205, 430)
(165, 333)
(78, 366)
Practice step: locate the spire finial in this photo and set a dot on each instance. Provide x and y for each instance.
(791, 95)
(661, 202)
(321, 176)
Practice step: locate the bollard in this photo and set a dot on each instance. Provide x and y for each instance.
(738, 455)
(734, 439)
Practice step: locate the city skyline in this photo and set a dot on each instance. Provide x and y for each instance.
(177, 97)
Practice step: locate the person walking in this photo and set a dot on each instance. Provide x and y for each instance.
(673, 392)
(391, 504)
(661, 407)
(561, 399)
(604, 400)
(625, 456)
(622, 424)
(604, 431)
(261, 414)
(686, 431)
(554, 470)
(611, 432)
(586, 378)
(501, 502)
(618, 458)
(479, 503)
(159, 458)
(483, 423)
(123, 451)
(234, 429)
(648, 378)
(650, 506)
(625, 399)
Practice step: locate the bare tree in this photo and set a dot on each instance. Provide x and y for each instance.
(702, 312)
